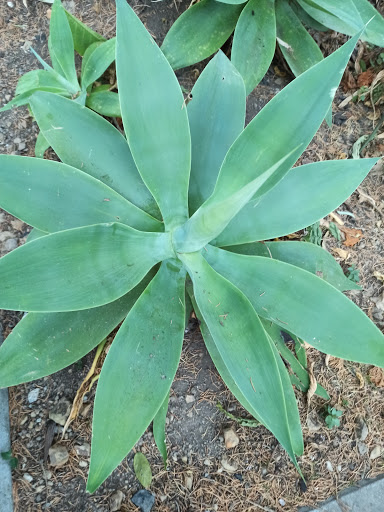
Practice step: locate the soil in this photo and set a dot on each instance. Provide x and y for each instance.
(195, 478)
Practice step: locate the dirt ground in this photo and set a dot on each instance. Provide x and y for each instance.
(262, 477)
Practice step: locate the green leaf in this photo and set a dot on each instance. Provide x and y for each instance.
(291, 204)
(340, 16)
(24, 98)
(216, 212)
(245, 350)
(274, 331)
(41, 146)
(82, 35)
(254, 41)
(97, 59)
(199, 32)
(142, 469)
(307, 19)
(36, 79)
(104, 102)
(374, 31)
(79, 268)
(299, 49)
(90, 143)
(284, 126)
(35, 234)
(159, 422)
(232, 2)
(303, 304)
(305, 255)
(60, 44)
(154, 116)
(148, 344)
(52, 196)
(13, 461)
(216, 117)
(44, 343)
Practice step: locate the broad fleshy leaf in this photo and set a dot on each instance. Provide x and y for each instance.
(254, 41)
(243, 346)
(154, 116)
(298, 47)
(41, 146)
(60, 44)
(216, 118)
(285, 125)
(304, 255)
(24, 98)
(274, 331)
(104, 102)
(303, 304)
(52, 196)
(97, 58)
(44, 343)
(159, 423)
(90, 143)
(340, 16)
(36, 79)
(148, 344)
(216, 212)
(294, 204)
(79, 268)
(199, 32)
(374, 30)
(308, 21)
(82, 35)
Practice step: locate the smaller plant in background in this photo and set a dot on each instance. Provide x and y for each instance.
(353, 274)
(259, 24)
(335, 231)
(332, 417)
(314, 234)
(13, 461)
(67, 35)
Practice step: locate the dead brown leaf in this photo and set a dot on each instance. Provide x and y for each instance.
(377, 376)
(348, 81)
(365, 78)
(352, 236)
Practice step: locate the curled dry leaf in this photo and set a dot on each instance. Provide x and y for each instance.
(312, 384)
(352, 236)
(342, 253)
(360, 379)
(378, 276)
(377, 376)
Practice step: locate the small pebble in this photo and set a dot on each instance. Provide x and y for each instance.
(34, 394)
(282, 502)
(329, 466)
(11, 5)
(27, 477)
(115, 501)
(83, 464)
(9, 246)
(189, 399)
(376, 452)
(22, 146)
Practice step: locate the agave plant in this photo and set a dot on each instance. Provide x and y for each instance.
(68, 34)
(257, 24)
(124, 226)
